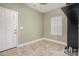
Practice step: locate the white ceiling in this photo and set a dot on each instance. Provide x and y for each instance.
(45, 8)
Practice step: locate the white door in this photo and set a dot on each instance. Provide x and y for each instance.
(2, 29)
(8, 28)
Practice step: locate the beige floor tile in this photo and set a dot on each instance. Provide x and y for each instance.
(41, 48)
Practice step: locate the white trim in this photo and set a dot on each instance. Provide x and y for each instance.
(59, 42)
(30, 42)
(17, 31)
(37, 40)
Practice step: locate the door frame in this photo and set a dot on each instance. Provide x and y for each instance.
(17, 34)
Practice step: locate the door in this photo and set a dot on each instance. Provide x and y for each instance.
(8, 28)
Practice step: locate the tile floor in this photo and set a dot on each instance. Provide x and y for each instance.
(41, 48)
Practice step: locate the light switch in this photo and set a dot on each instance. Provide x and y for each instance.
(21, 27)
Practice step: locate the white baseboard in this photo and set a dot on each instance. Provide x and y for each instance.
(37, 40)
(59, 42)
(30, 42)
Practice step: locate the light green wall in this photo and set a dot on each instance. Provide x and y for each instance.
(47, 25)
(36, 25)
(31, 20)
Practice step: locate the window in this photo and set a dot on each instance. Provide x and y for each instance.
(56, 25)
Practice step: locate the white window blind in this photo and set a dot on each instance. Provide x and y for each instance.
(56, 25)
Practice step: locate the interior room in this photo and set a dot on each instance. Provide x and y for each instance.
(38, 29)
